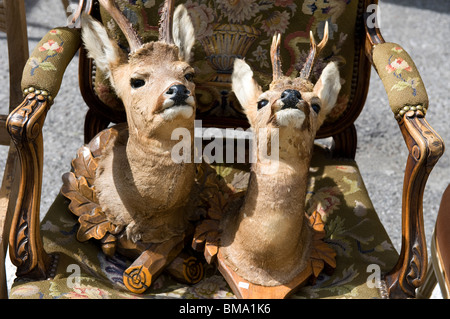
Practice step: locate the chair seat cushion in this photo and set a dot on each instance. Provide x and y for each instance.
(336, 191)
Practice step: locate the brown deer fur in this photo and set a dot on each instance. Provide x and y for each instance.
(266, 242)
(138, 184)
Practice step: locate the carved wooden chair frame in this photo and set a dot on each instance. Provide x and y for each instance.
(424, 144)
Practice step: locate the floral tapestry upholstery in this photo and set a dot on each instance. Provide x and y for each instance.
(401, 79)
(336, 191)
(48, 61)
(226, 30)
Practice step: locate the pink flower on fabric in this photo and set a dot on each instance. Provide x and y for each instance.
(51, 45)
(87, 292)
(398, 65)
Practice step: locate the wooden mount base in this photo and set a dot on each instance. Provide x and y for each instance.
(244, 289)
(139, 276)
(168, 256)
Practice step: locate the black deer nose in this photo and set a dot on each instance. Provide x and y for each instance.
(290, 98)
(178, 93)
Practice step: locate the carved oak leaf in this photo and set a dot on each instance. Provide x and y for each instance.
(82, 197)
(94, 225)
(203, 233)
(85, 164)
(321, 252)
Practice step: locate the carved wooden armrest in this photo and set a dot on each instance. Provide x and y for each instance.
(41, 81)
(409, 102)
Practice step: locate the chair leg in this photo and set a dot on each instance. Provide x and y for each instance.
(425, 291)
(438, 269)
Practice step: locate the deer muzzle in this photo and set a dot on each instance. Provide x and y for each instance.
(178, 94)
(178, 101)
(290, 99)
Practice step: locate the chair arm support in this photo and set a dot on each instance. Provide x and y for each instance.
(24, 125)
(408, 100)
(425, 148)
(41, 82)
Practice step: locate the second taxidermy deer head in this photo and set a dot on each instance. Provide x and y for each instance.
(137, 183)
(267, 240)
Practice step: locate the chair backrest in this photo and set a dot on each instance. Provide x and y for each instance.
(227, 30)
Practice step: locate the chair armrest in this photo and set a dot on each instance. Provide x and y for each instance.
(45, 67)
(41, 82)
(408, 100)
(400, 77)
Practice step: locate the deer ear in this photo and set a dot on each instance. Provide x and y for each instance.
(327, 89)
(100, 47)
(183, 32)
(245, 88)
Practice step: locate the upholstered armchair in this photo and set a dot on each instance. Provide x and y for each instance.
(367, 264)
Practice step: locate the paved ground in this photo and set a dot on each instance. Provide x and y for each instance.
(419, 26)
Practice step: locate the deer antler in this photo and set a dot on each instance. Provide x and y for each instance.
(166, 22)
(134, 41)
(314, 53)
(275, 56)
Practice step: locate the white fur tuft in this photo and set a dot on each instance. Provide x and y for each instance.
(183, 32)
(290, 117)
(171, 113)
(99, 46)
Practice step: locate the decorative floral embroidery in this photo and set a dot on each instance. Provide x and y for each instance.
(397, 49)
(397, 66)
(87, 292)
(202, 18)
(276, 22)
(52, 49)
(238, 11)
(260, 55)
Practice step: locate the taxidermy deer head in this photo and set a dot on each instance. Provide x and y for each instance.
(137, 183)
(267, 242)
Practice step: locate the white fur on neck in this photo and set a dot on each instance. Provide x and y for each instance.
(290, 117)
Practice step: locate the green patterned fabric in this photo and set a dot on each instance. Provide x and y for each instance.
(336, 191)
(45, 67)
(400, 77)
(226, 30)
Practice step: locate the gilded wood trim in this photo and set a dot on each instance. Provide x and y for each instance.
(425, 148)
(25, 127)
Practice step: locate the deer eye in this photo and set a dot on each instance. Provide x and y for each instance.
(262, 103)
(315, 107)
(189, 77)
(137, 83)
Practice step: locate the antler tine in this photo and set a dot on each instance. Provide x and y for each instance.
(314, 53)
(275, 56)
(134, 41)
(166, 22)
